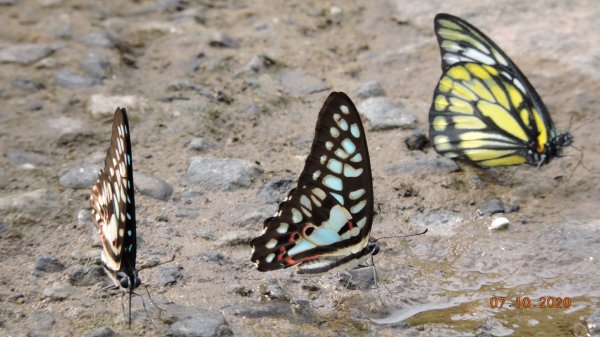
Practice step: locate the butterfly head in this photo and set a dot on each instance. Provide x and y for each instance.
(128, 282)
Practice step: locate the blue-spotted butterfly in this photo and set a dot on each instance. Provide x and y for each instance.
(485, 111)
(113, 209)
(325, 222)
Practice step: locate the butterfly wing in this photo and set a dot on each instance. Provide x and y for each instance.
(327, 218)
(113, 206)
(529, 135)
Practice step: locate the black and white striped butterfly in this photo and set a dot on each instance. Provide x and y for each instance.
(113, 209)
(325, 222)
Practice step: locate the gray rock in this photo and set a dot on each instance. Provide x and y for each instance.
(96, 65)
(254, 216)
(438, 222)
(490, 207)
(359, 278)
(29, 202)
(237, 238)
(370, 89)
(33, 105)
(202, 144)
(298, 83)
(185, 85)
(67, 129)
(58, 291)
(416, 141)
(103, 331)
(80, 176)
(274, 290)
(87, 276)
(27, 84)
(275, 191)
(383, 114)
(221, 173)
(41, 320)
(38, 334)
(67, 78)
(170, 275)
(425, 166)
(19, 157)
(217, 258)
(258, 64)
(24, 53)
(48, 264)
(222, 40)
(8, 2)
(252, 111)
(200, 323)
(593, 323)
(101, 105)
(98, 39)
(152, 186)
(263, 309)
(84, 217)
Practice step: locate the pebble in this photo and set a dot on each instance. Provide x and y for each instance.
(254, 216)
(223, 174)
(237, 238)
(27, 84)
(19, 157)
(31, 202)
(25, 53)
(59, 291)
(8, 2)
(593, 323)
(499, 223)
(170, 275)
(101, 105)
(98, 39)
(241, 290)
(66, 129)
(84, 217)
(359, 278)
(252, 111)
(495, 205)
(222, 40)
(87, 276)
(370, 89)
(68, 79)
(275, 191)
(298, 83)
(217, 258)
(41, 320)
(264, 309)
(383, 114)
(152, 186)
(200, 323)
(96, 65)
(48, 264)
(103, 331)
(416, 141)
(274, 290)
(257, 64)
(425, 166)
(80, 176)
(185, 85)
(202, 144)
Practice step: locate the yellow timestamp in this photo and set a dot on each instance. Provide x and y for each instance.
(525, 302)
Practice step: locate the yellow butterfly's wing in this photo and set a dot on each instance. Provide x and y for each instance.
(484, 109)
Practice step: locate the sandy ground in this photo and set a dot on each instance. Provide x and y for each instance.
(188, 82)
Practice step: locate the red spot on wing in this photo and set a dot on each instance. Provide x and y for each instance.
(350, 225)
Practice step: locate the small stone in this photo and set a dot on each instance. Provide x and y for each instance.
(81, 176)
(8, 2)
(31, 202)
(98, 39)
(96, 65)
(252, 111)
(170, 275)
(101, 332)
(359, 278)
(84, 217)
(67, 129)
(253, 217)
(258, 64)
(416, 141)
(202, 144)
(87, 276)
(370, 89)
(221, 173)
(217, 258)
(275, 191)
(27, 84)
(490, 207)
(101, 105)
(24, 53)
(200, 323)
(425, 166)
(19, 157)
(185, 85)
(241, 290)
(237, 238)
(48, 264)
(274, 290)
(222, 40)
(33, 105)
(59, 291)
(298, 83)
(383, 114)
(41, 321)
(593, 323)
(499, 223)
(67, 78)
(152, 186)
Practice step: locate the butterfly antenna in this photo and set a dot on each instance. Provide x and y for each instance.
(582, 124)
(401, 236)
(130, 292)
(147, 266)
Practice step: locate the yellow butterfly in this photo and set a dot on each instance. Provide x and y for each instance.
(485, 111)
